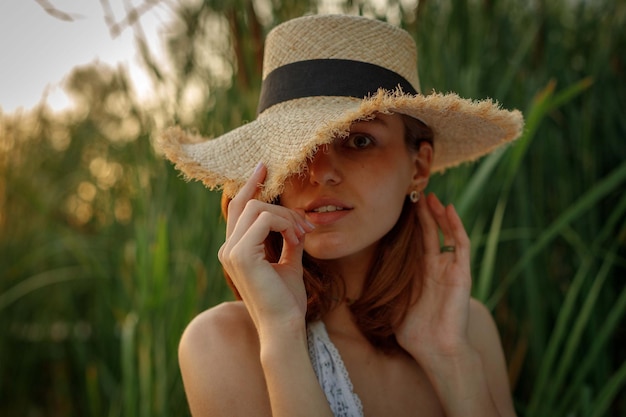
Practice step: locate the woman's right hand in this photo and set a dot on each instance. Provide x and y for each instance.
(273, 293)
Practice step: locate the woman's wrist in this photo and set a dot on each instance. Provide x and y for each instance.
(284, 332)
(280, 339)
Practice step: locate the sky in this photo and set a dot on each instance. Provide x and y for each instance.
(37, 50)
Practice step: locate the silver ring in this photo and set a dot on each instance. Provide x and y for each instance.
(448, 249)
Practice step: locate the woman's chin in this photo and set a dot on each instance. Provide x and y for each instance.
(322, 255)
(325, 252)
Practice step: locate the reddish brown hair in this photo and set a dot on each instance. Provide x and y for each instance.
(389, 285)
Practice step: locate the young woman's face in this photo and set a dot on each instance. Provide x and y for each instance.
(355, 187)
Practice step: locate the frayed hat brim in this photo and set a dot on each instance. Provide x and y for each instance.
(287, 134)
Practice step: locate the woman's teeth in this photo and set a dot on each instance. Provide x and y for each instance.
(325, 209)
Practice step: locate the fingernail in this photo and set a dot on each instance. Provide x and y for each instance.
(308, 223)
(258, 168)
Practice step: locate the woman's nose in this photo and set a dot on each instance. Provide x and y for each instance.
(323, 168)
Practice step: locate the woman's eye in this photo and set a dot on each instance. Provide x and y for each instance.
(359, 141)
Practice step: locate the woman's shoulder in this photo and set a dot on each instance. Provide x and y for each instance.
(482, 327)
(226, 314)
(219, 326)
(219, 360)
(485, 338)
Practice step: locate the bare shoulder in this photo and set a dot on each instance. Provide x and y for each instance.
(481, 322)
(484, 336)
(216, 326)
(219, 361)
(483, 332)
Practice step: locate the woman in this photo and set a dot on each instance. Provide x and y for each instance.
(349, 305)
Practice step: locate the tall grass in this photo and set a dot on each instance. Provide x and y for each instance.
(106, 255)
(546, 216)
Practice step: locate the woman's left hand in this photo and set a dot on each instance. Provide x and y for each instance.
(439, 332)
(436, 325)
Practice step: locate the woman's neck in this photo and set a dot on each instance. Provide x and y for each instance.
(353, 271)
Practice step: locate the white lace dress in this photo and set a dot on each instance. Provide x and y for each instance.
(331, 373)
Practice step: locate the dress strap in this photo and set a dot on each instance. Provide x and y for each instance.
(332, 373)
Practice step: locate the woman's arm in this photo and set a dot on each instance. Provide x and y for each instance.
(293, 387)
(471, 380)
(224, 376)
(219, 362)
(451, 336)
(258, 353)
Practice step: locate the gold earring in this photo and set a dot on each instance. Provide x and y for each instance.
(414, 196)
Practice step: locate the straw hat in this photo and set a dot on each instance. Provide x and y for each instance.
(320, 74)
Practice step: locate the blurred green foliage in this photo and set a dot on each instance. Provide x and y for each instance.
(106, 255)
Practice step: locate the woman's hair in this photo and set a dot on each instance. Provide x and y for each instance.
(388, 288)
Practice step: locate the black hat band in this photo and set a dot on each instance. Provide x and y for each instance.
(328, 77)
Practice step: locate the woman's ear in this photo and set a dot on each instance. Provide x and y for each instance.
(422, 160)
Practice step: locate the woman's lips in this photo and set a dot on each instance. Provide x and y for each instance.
(323, 214)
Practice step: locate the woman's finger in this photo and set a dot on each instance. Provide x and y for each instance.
(268, 222)
(430, 229)
(247, 193)
(255, 208)
(440, 214)
(247, 250)
(461, 239)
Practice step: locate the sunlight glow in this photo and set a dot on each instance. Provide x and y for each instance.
(39, 50)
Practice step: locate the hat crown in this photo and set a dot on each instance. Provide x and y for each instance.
(342, 37)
